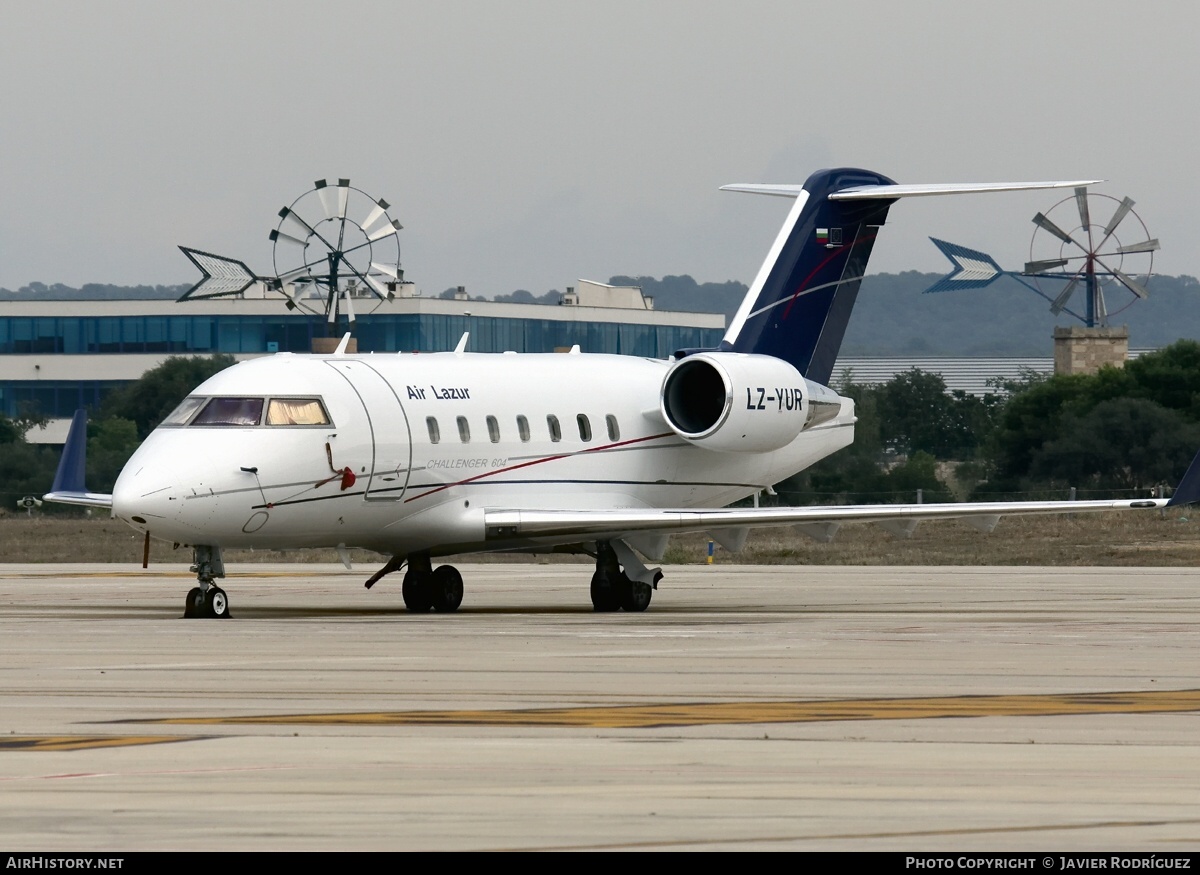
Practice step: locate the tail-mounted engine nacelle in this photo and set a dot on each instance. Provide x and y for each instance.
(735, 402)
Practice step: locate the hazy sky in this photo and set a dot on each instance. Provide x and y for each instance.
(528, 144)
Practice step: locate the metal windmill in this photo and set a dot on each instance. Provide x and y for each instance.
(1088, 256)
(1091, 256)
(320, 252)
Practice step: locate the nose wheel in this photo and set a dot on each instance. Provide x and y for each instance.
(207, 600)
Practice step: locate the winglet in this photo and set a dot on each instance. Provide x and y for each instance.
(1188, 490)
(73, 464)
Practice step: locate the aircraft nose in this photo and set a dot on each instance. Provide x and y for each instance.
(145, 499)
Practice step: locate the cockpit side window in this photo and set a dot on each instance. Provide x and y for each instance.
(181, 414)
(296, 411)
(230, 411)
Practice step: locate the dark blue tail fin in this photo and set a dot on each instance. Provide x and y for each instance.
(800, 302)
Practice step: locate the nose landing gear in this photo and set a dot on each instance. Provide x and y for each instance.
(207, 599)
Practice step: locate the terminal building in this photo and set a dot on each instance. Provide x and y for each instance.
(58, 356)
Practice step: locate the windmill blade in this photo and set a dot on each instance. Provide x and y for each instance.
(370, 282)
(1042, 266)
(331, 304)
(1132, 284)
(287, 213)
(276, 236)
(1145, 246)
(1042, 222)
(1081, 201)
(376, 213)
(385, 231)
(1101, 310)
(343, 197)
(380, 289)
(1122, 211)
(327, 197)
(393, 272)
(1126, 280)
(349, 304)
(1060, 302)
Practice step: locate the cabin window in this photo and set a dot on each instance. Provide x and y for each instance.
(585, 427)
(493, 430)
(614, 430)
(523, 429)
(230, 411)
(464, 430)
(555, 428)
(181, 414)
(296, 411)
(435, 433)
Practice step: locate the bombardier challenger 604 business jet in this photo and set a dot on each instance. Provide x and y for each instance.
(420, 456)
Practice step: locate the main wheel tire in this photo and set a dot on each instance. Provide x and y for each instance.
(194, 605)
(635, 596)
(446, 589)
(417, 591)
(216, 603)
(605, 597)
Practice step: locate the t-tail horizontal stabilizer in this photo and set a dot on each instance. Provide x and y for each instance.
(799, 305)
(68, 485)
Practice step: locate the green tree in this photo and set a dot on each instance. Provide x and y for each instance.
(918, 414)
(1122, 443)
(1170, 376)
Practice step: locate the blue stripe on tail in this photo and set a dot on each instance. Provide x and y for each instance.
(800, 312)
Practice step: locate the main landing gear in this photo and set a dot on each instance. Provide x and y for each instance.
(207, 599)
(613, 589)
(426, 587)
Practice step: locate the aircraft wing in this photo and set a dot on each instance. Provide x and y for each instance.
(504, 524)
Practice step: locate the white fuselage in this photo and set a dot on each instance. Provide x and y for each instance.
(430, 442)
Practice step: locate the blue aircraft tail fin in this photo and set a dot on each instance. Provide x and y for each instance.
(800, 302)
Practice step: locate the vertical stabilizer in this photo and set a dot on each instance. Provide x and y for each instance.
(800, 302)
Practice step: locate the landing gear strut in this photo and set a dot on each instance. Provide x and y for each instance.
(612, 589)
(427, 587)
(207, 599)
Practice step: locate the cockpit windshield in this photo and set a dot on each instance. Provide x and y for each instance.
(296, 411)
(230, 411)
(196, 410)
(181, 414)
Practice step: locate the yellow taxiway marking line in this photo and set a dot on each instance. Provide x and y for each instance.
(702, 714)
(82, 742)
